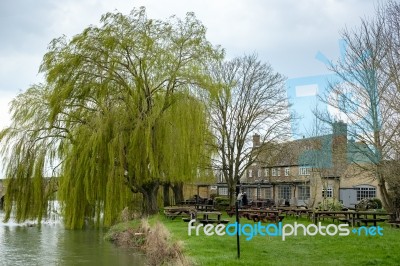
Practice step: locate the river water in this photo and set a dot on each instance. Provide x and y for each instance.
(51, 244)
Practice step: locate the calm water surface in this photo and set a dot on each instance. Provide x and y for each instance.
(51, 244)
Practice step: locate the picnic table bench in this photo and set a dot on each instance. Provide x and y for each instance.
(394, 223)
(295, 211)
(262, 215)
(204, 207)
(207, 217)
(210, 217)
(178, 211)
(367, 221)
(352, 217)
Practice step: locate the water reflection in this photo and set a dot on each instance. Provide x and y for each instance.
(51, 244)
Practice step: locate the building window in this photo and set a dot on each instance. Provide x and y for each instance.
(365, 192)
(223, 191)
(278, 171)
(304, 170)
(273, 171)
(304, 192)
(287, 171)
(327, 192)
(250, 173)
(284, 192)
(259, 173)
(266, 172)
(266, 193)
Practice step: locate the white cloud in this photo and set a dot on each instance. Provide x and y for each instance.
(285, 33)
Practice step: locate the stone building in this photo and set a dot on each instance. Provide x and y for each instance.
(309, 171)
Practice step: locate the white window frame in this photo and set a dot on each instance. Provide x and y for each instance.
(287, 171)
(250, 171)
(266, 172)
(328, 191)
(284, 190)
(266, 193)
(304, 192)
(259, 173)
(223, 191)
(278, 171)
(365, 192)
(273, 171)
(304, 170)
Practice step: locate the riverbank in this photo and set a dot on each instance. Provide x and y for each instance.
(295, 250)
(151, 237)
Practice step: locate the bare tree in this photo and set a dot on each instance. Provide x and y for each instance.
(252, 99)
(366, 95)
(390, 14)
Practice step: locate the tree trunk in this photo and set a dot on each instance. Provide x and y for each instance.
(149, 192)
(166, 186)
(177, 188)
(386, 200)
(232, 194)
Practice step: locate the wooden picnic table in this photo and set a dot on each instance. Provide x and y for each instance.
(188, 202)
(295, 211)
(261, 215)
(262, 203)
(352, 217)
(364, 217)
(175, 211)
(206, 217)
(204, 207)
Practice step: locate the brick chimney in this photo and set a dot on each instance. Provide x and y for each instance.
(339, 146)
(256, 140)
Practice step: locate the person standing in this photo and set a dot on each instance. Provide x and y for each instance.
(239, 199)
(245, 200)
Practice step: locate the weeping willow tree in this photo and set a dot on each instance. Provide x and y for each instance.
(119, 114)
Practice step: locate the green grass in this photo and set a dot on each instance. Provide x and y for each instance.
(300, 250)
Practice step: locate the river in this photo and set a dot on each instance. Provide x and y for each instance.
(51, 244)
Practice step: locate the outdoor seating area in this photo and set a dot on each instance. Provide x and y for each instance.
(205, 211)
(277, 214)
(201, 209)
(353, 218)
(295, 211)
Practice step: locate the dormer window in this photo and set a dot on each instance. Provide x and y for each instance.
(304, 170)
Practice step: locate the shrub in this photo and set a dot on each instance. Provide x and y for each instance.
(367, 204)
(378, 203)
(221, 202)
(330, 205)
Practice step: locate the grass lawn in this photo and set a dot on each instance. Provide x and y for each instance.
(299, 250)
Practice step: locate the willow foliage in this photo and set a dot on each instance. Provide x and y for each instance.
(119, 114)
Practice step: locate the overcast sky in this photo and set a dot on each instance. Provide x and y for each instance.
(286, 33)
